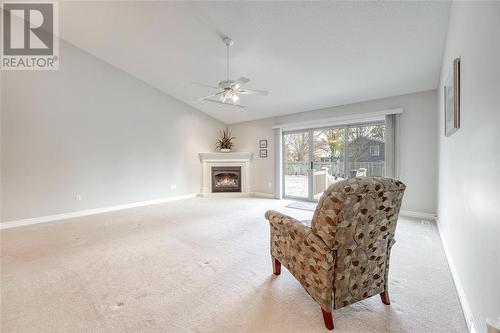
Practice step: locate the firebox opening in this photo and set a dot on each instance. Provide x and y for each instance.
(226, 179)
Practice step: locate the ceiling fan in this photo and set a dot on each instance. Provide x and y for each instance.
(228, 91)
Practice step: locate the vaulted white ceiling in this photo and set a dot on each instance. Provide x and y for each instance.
(309, 55)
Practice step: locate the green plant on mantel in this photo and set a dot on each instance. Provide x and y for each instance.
(225, 142)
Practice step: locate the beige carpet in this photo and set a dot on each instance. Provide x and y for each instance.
(201, 265)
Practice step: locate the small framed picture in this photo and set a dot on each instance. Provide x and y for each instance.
(263, 153)
(452, 100)
(262, 143)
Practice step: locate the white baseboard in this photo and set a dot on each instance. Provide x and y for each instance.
(263, 195)
(469, 319)
(63, 216)
(238, 194)
(225, 194)
(418, 215)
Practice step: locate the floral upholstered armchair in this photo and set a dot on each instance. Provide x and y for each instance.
(343, 256)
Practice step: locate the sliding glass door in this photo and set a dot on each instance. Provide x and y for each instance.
(329, 158)
(296, 164)
(314, 159)
(366, 150)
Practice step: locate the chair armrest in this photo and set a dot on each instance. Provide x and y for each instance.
(277, 218)
(287, 229)
(287, 226)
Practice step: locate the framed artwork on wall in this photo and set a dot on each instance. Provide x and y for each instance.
(262, 143)
(452, 100)
(263, 153)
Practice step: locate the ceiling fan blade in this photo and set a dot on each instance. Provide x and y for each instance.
(241, 80)
(242, 107)
(204, 85)
(252, 92)
(213, 95)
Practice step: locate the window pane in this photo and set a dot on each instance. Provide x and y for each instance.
(366, 150)
(296, 164)
(329, 158)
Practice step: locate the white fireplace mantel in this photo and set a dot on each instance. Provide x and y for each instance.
(209, 160)
(225, 157)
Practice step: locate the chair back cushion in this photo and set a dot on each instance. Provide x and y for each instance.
(357, 219)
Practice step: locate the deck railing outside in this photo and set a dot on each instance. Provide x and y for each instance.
(336, 168)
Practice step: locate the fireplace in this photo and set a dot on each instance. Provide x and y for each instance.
(225, 162)
(226, 179)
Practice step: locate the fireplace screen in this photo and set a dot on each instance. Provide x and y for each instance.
(226, 179)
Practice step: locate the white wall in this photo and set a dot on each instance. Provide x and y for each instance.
(418, 144)
(469, 160)
(94, 130)
(247, 139)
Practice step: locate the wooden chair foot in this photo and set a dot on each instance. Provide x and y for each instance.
(385, 297)
(276, 267)
(327, 317)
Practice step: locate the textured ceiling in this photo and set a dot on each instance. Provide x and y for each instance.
(309, 55)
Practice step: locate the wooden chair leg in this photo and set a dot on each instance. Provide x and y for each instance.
(276, 266)
(327, 317)
(385, 297)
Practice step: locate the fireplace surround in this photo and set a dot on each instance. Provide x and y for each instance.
(225, 160)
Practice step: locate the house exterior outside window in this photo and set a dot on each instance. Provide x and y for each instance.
(374, 150)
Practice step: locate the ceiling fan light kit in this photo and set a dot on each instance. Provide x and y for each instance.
(229, 91)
